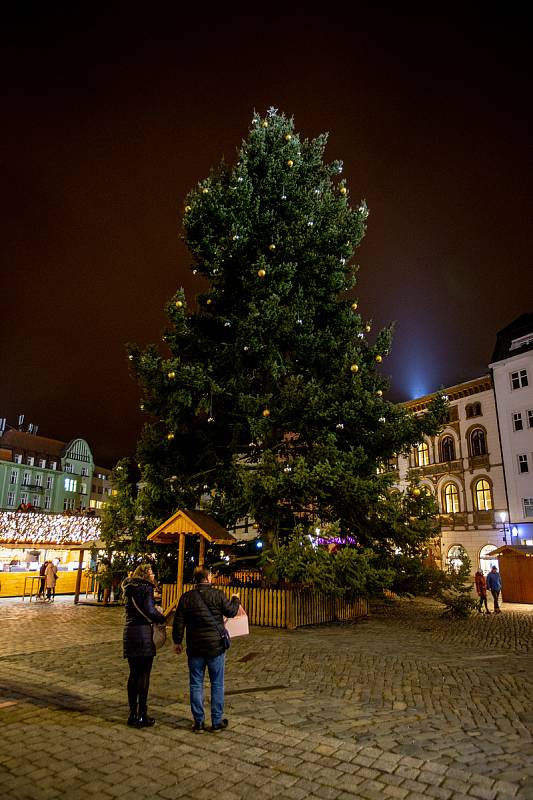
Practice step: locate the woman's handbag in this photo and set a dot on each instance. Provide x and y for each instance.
(159, 629)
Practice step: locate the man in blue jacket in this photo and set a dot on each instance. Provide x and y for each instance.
(494, 583)
(201, 613)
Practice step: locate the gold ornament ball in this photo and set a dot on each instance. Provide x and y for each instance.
(368, 328)
(187, 209)
(261, 273)
(205, 190)
(266, 412)
(290, 163)
(288, 137)
(170, 436)
(379, 393)
(179, 304)
(343, 190)
(171, 375)
(379, 359)
(209, 301)
(416, 491)
(272, 247)
(354, 306)
(354, 368)
(264, 124)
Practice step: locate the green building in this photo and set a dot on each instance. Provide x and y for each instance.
(45, 474)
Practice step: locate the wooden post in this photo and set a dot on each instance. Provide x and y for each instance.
(201, 556)
(78, 578)
(181, 563)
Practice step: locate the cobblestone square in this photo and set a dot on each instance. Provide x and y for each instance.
(403, 704)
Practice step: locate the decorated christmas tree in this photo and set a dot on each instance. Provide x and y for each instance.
(268, 401)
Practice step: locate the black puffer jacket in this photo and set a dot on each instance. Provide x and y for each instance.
(137, 630)
(203, 637)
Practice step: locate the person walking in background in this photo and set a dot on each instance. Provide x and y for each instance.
(50, 577)
(139, 647)
(494, 583)
(481, 589)
(42, 582)
(201, 613)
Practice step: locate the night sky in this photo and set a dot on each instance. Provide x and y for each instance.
(109, 118)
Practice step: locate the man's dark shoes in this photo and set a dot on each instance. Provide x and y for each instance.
(132, 721)
(145, 721)
(220, 726)
(198, 727)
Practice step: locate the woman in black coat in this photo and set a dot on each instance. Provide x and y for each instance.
(139, 648)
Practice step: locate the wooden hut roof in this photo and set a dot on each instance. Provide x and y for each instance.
(191, 523)
(521, 550)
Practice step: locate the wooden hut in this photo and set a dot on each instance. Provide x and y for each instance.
(190, 523)
(516, 570)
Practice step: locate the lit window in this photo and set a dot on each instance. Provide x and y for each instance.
(518, 425)
(422, 454)
(451, 499)
(523, 466)
(483, 495)
(528, 506)
(448, 449)
(70, 485)
(519, 379)
(478, 443)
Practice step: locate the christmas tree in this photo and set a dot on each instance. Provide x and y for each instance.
(269, 400)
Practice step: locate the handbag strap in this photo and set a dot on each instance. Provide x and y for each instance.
(141, 612)
(217, 624)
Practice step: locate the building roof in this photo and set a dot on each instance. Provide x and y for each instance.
(506, 549)
(508, 340)
(21, 440)
(460, 390)
(191, 523)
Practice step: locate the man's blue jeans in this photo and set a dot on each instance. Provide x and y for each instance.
(215, 667)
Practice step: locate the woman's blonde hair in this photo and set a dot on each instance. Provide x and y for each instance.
(144, 572)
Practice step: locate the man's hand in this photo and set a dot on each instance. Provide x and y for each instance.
(178, 649)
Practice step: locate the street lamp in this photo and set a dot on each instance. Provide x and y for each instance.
(503, 520)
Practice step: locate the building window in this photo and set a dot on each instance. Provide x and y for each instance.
(30, 461)
(42, 463)
(518, 424)
(24, 498)
(49, 482)
(422, 455)
(528, 506)
(519, 379)
(473, 410)
(451, 499)
(530, 417)
(11, 498)
(14, 476)
(84, 472)
(478, 443)
(53, 465)
(448, 449)
(38, 480)
(70, 485)
(48, 502)
(68, 504)
(26, 479)
(18, 459)
(83, 488)
(68, 467)
(523, 466)
(483, 495)
(36, 501)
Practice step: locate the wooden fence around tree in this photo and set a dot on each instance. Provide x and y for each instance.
(282, 608)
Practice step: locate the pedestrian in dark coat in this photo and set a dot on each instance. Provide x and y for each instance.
(139, 648)
(481, 589)
(201, 613)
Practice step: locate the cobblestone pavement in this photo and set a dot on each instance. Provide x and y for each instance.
(404, 704)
